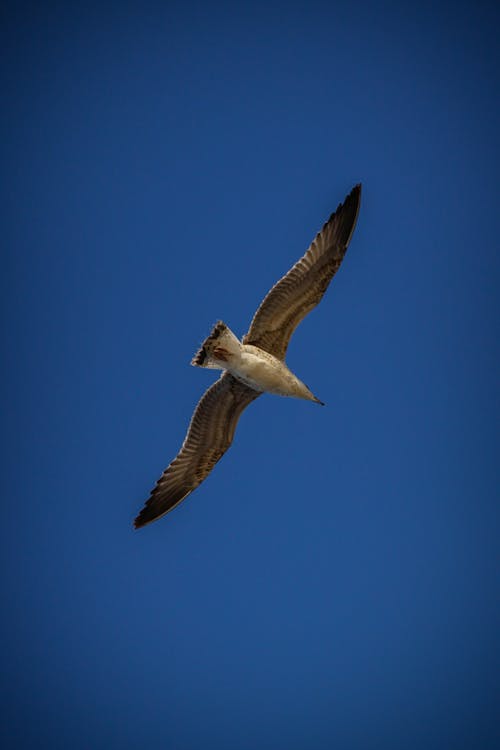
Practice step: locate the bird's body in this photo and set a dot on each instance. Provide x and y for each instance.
(249, 364)
(260, 370)
(254, 365)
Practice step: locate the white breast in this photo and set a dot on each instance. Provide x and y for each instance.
(263, 372)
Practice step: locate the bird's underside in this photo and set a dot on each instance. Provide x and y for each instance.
(254, 365)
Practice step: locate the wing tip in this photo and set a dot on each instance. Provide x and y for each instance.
(352, 200)
(142, 520)
(157, 507)
(346, 214)
(354, 196)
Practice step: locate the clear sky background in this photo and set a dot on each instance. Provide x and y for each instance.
(334, 582)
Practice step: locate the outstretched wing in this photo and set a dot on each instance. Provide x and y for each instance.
(209, 435)
(300, 290)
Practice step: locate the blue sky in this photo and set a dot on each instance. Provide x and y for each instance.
(334, 582)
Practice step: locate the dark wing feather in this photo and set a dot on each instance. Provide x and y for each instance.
(300, 290)
(209, 435)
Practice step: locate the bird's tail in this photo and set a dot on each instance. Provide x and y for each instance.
(218, 349)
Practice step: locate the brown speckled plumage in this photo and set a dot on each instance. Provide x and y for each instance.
(209, 435)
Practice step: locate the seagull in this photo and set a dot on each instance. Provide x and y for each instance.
(253, 366)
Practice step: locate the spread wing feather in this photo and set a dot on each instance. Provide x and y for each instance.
(209, 435)
(300, 290)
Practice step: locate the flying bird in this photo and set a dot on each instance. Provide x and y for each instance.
(253, 366)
